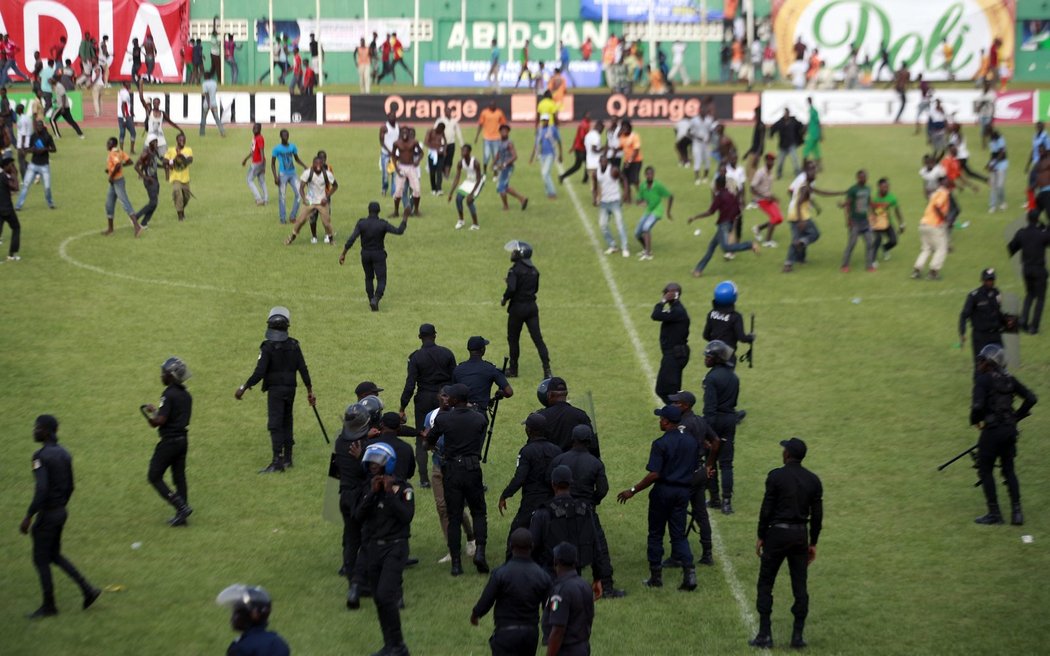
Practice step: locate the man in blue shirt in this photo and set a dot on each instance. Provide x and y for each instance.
(563, 58)
(286, 154)
(479, 374)
(493, 76)
(547, 138)
(673, 460)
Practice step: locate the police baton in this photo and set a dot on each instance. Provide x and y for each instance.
(964, 453)
(749, 356)
(321, 424)
(493, 409)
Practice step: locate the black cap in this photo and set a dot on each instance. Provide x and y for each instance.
(458, 391)
(374, 208)
(392, 420)
(427, 329)
(669, 412)
(582, 433)
(988, 274)
(367, 388)
(557, 384)
(48, 423)
(685, 397)
(795, 447)
(7, 160)
(536, 423)
(566, 554)
(561, 475)
(476, 343)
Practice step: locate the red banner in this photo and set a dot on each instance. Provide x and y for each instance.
(1015, 107)
(38, 25)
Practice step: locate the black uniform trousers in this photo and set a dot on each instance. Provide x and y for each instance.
(602, 546)
(386, 564)
(170, 453)
(464, 487)
(279, 402)
(667, 507)
(523, 519)
(528, 315)
(725, 427)
(791, 544)
(423, 403)
(1034, 292)
(998, 442)
(374, 264)
(669, 378)
(698, 503)
(351, 536)
(514, 640)
(47, 549)
(11, 219)
(152, 191)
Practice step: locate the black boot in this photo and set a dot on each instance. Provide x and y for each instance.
(90, 596)
(705, 555)
(1017, 517)
(479, 560)
(512, 370)
(353, 597)
(287, 461)
(656, 578)
(457, 565)
(610, 591)
(182, 510)
(797, 642)
(276, 465)
(43, 611)
(993, 516)
(727, 506)
(688, 579)
(762, 641)
(715, 502)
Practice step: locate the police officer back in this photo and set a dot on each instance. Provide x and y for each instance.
(674, 341)
(590, 484)
(563, 417)
(721, 389)
(672, 461)
(373, 231)
(53, 472)
(794, 496)
(724, 323)
(569, 613)
(523, 283)
(250, 608)
(479, 375)
(531, 474)
(171, 419)
(518, 589)
(386, 508)
(463, 430)
(1032, 240)
(983, 309)
(708, 443)
(992, 411)
(430, 368)
(280, 359)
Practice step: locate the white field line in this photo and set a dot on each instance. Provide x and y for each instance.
(743, 605)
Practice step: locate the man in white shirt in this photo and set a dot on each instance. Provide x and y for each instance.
(931, 174)
(24, 126)
(985, 108)
(797, 73)
(701, 128)
(316, 186)
(606, 192)
(682, 141)
(210, 101)
(592, 146)
(678, 63)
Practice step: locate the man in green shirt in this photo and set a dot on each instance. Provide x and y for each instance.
(881, 225)
(814, 135)
(858, 211)
(652, 195)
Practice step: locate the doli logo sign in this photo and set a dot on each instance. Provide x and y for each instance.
(913, 31)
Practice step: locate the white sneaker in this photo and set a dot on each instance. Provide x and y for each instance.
(475, 227)
(1002, 207)
(472, 548)
(729, 256)
(991, 210)
(610, 250)
(751, 206)
(755, 231)
(769, 244)
(626, 253)
(697, 182)
(459, 225)
(446, 559)
(13, 258)
(886, 257)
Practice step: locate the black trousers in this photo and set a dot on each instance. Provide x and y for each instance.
(518, 640)
(698, 503)
(999, 443)
(386, 564)
(374, 264)
(1034, 292)
(152, 191)
(279, 402)
(47, 549)
(580, 157)
(668, 506)
(170, 453)
(523, 519)
(464, 487)
(528, 315)
(602, 545)
(424, 403)
(669, 378)
(437, 170)
(351, 537)
(791, 544)
(11, 219)
(725, 427)
(891, 240)
(66, 114)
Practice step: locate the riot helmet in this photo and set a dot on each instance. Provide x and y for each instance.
(250, 605)
(381, 454)
(719, 351)
(176, 368)
(725, 293)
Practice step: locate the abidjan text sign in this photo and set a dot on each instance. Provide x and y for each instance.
(637, 11)
(476, 73)
(913, 32)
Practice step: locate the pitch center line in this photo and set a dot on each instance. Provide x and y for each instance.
(744, 606)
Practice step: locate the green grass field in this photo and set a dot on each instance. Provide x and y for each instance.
(862, 366)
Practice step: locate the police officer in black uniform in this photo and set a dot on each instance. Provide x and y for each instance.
(794, 496)
(724, 323)
(1032, 240)
(352, 474)
(250, 608)
(590, 484)
(569, 613)
(568, 519)
(674, 341)
(531, 475)
(983, 309)
(992, 411)
(53, 471)
(430, 368)
(464, 433)
(386, 508)
(171, 419)
(562, 417)
(280, 358)
(518, 589)
(708, 443)
(672, 461)
(479, 375)
(721, 389)
(373, 231)
(523, 282)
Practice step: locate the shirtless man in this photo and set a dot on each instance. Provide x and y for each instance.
(435, 143)
(407, 154)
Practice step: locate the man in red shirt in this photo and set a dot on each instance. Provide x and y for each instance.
(388, 67)
(399, 55)
(309, 79)
(297, 73)
(257, 171)
(579, 151)
(727, 205)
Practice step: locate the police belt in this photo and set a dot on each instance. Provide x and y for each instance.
(515, 627)
(687, 484)
(165, 438)
(462, 461)
(785, 525)
(383, 543)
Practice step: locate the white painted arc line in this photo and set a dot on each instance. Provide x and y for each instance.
(732, 580)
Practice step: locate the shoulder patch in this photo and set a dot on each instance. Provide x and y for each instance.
(37, 464)
(408, 494)
(554, 602)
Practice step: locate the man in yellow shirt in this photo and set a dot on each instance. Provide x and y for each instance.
(949, 54)
(116, 160)
(547, 106)
(933, 231)
(489, 122)
(177, 162)
(557, 86)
